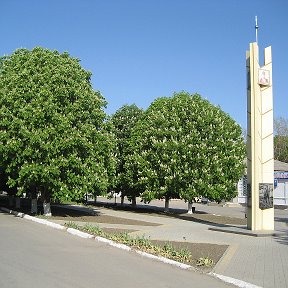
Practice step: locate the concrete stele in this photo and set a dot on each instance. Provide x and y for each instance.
(260, 152)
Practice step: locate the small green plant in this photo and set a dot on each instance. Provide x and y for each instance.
(185, 254)
(42, 216)
(143, 242)
(96, 230)
(73, 225)
(205, 261)
(168, 248)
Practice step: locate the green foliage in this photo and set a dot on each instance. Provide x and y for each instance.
(205, 261)
(96, 230)
(183, 253)
(123, 122)
(281, 139)
(186, 147)
(281, 148)
(53, 138)
(73, 225)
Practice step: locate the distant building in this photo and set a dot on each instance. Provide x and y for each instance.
(280, 185)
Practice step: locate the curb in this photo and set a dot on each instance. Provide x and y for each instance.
(166, 260)
(112, 243)
(236, 282)
(79, 233)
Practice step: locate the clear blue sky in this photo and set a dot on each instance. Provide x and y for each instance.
(141, 50)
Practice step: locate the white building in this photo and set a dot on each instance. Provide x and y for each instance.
(280, 185)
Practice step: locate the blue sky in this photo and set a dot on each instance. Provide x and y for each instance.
(141, 50)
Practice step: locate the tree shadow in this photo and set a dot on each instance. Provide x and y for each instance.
(65, 211)
(141, 208)
(202, 217)
(198, 216)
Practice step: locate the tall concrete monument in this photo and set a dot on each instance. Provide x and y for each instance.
(260, 151)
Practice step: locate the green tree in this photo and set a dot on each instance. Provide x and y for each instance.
(186, 148)
(281, 139)
(123, 121)
(53, 136)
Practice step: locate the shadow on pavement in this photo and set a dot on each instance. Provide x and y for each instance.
(280, 219)
(282, 239)
(199, 216)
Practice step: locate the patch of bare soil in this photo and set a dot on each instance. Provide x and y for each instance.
(198, 250)
(117, 230)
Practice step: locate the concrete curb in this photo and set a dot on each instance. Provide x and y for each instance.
(45, 222)
(81, 234)
(166, 260)
(112, 243)
(236, 282)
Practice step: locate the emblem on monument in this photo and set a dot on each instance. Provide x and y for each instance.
(264, 77)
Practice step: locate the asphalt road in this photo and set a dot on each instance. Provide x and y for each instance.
(34, 255)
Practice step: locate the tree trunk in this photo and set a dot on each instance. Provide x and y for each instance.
(133, 201)
(17, 202)
(34, 195)
(11, 200)
(122, 199)
(47, 209)
(166, 205)
(34, 208)
(95, 199)
(46, 202)
(190, 208)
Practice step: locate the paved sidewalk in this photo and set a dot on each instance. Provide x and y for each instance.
(262, 261)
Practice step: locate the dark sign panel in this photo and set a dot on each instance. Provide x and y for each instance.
(265, 195)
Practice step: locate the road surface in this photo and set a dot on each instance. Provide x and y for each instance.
(34, 255)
